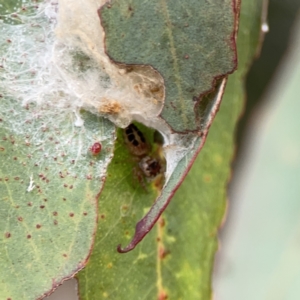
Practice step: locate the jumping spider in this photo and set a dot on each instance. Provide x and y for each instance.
(151, 163)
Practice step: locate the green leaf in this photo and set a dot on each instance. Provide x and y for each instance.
(175, 260)
(190, 44)
(194, 144)
(192, 97)
(49, 179)
(49, 184)
(45, 241)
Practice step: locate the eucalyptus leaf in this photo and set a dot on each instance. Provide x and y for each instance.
(191, 44)
(175, 260)
(49, 178)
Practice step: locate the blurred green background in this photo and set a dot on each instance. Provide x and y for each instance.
(259, 257)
